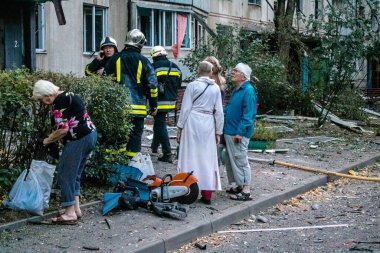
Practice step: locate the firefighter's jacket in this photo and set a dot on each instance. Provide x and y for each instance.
(95, 65)
(136, 73)
(166, 101)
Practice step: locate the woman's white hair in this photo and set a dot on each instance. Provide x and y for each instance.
(43, 88)
(204, 68)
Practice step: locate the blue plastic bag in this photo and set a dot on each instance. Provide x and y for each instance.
(31, 191)
(26, 194)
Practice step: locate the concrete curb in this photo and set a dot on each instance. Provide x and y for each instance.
(237, 213)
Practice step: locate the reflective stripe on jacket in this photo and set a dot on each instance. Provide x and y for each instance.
(166, 101)
(95, 65)
(136, 73)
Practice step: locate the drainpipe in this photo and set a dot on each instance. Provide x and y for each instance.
(129, 6)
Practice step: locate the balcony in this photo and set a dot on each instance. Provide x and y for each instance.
(203, 5)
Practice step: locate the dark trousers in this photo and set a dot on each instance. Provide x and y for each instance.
(160, 134)
(134, 141)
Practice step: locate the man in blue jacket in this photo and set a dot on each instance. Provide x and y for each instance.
(239, 120)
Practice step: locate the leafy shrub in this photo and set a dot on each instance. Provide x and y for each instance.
(269, 76)
(263, 133)
(25, 122)
(349, 105)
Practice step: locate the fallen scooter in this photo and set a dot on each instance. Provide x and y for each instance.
(182, 188)
(155, 194)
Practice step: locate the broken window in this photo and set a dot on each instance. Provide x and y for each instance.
(160, 28)
(40, 28)
(94, 26)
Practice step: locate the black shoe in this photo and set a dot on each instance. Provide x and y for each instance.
(205, 201)
(165, 158)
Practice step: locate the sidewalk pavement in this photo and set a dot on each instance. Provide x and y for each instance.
(142, 231)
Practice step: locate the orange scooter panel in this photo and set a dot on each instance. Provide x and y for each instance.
(178, 179)
(156, 181)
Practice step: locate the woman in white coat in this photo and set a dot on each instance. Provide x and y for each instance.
(200, 125)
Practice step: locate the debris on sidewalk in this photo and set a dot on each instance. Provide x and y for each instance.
(282, 151)
(94, 248)
(371, 112)
(353, 126)
(201, 247)
(309, 140)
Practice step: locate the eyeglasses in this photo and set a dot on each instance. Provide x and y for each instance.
(236, 71)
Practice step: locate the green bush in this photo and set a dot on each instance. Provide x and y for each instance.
(349, 105)
(263, 133)
(25, 122)
(269, 76)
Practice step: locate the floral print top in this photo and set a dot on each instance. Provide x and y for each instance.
(69, 112)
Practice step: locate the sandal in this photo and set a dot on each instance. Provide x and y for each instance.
(241, 196)
(61, 213)
(61, 221)
(236, 190)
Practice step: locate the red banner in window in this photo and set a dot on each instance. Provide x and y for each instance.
(181, 30)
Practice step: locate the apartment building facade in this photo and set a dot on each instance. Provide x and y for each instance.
(68, 48)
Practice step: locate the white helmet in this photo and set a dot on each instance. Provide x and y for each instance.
(108, 41)
(135, 38)
(158, 51)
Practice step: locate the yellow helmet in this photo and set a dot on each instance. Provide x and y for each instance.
(158, 51)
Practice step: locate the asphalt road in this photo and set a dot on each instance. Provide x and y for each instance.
(349, 207)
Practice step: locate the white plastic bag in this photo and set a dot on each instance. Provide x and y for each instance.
(45, 174)
(31, 192)
(143, 163)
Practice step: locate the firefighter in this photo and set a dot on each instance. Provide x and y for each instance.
(169, 79)
(108, 47)
(136, 73)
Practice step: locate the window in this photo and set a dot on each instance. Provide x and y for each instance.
(40, 28)
(94, 26)
(256, 2)
(160, 27)
(198, 33)
(186, 38)
(318, 9)
(301, 5)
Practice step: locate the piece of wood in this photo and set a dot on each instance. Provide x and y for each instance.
(107, 222)
(343, 123)
(283, 229)
(371, 112)
(309, 169)
(281, 151)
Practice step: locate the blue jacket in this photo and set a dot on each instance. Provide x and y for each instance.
(240, 113)
(136, 73)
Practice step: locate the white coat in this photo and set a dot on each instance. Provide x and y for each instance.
(200, 121)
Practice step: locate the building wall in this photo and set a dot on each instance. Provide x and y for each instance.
(254, 17)
(64, 44)
(230, 12)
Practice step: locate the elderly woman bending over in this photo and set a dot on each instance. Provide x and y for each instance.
(72, 126)
(200, 125)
